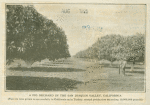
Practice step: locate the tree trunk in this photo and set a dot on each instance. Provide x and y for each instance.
(132, 66)
(119, 68)
(29, 63)
(111, 64)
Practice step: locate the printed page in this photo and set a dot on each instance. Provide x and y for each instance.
(89, 52)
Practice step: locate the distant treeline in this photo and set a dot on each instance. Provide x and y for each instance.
(32, 37)
(116, 47)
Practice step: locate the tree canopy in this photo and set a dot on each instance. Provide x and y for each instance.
(32, 37)
(116, 47)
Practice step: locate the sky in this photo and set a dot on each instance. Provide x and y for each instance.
(85, 23)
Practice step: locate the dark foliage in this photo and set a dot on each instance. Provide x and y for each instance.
(32, 37)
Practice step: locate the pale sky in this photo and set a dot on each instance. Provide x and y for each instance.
(100, 20)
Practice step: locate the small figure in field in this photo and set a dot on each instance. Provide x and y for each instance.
(122, 66)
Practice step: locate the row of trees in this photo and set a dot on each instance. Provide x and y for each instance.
(32, 37)
(117, 47)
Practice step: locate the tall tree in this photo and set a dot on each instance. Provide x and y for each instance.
(32, 37)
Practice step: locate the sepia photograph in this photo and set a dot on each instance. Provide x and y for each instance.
(75, 47)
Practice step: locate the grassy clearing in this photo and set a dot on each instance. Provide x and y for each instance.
(70, 78)
(132, 81)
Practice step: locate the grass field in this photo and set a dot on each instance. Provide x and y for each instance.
(69, 75)
(40, 83)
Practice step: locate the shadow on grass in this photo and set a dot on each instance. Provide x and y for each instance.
(37, 83)
(141, 72)
(55, 63)
(46, 69)
(128, 75)
(135, 67)
(116, 66)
